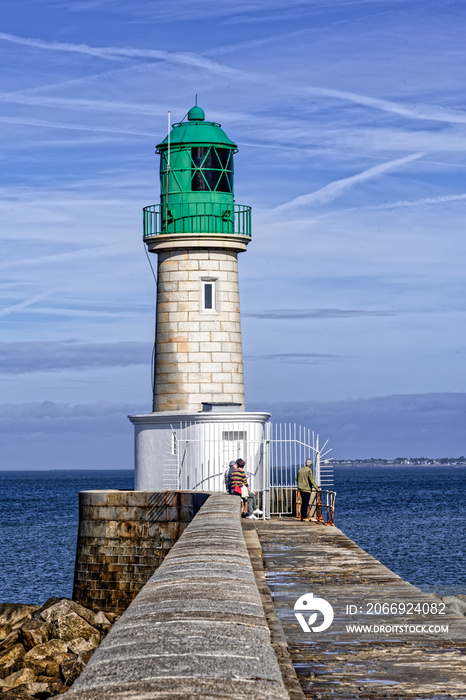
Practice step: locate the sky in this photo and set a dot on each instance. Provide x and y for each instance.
(350, 118)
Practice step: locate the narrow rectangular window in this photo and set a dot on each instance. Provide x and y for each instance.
(208, 295)
(208, 301)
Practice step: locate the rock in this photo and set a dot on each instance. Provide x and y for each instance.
(5, 630)
(111, 617)
(66, 666)
(71, 668)
(48, 603)
(10, 660)
(461, 597)
(45, 659)
(57, 687)
(34, 632)
(44, 649)
(18, 693)
(64, 607)
(79, 646)
(12, 638)
(13, 614)
(41, 691)
(84, 656)
(101, 621)
(22, 677)
(455, 604)
(73, 626)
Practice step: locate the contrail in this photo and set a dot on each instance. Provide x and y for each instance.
(71, 127)
(335, 189)
(423, 112)
(26, 303)
(116, 53)
(60, 257)
(84, 104)
(443, 199)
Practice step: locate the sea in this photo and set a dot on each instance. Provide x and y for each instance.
(411, 518)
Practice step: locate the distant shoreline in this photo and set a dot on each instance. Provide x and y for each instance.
(392, 466)
(355, 463)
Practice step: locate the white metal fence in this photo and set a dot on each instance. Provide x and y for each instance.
(199, 454)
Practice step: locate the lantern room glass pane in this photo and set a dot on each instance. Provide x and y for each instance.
(212, 169)
(225, 156)
(224, 183)
(212, 161)
(198, 183)
(198, 153)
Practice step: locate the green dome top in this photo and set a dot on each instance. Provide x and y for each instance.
(196, 131)
(196, 114)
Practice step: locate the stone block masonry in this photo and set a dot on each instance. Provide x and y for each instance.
(198, 351)
(197, 629)
(123, 537)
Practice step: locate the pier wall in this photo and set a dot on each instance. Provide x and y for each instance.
(123, 537)
(197, 629)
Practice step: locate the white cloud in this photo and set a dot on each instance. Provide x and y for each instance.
(412, 425)
(51, 356)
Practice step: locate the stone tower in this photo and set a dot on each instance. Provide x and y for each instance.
(197, 231)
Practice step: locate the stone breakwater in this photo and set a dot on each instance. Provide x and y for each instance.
(197, 629)
(43, 649)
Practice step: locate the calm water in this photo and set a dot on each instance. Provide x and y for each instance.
(39, 529)
(413, 519)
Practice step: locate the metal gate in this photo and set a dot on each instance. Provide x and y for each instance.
(290, 445)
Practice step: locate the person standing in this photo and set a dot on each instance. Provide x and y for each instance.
(306, 483)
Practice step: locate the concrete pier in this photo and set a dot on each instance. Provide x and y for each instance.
(302, 557)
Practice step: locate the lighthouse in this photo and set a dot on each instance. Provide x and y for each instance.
(198, 421)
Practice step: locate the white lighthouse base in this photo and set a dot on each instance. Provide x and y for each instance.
(192, 451)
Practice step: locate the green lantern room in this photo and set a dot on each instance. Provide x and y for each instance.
(197, 182)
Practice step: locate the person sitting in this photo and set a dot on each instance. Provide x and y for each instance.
(253, 512)
(238, 479)
(227, 476)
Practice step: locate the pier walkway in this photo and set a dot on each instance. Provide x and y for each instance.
(393, 655)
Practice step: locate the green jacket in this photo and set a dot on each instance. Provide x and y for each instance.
(305, 479)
